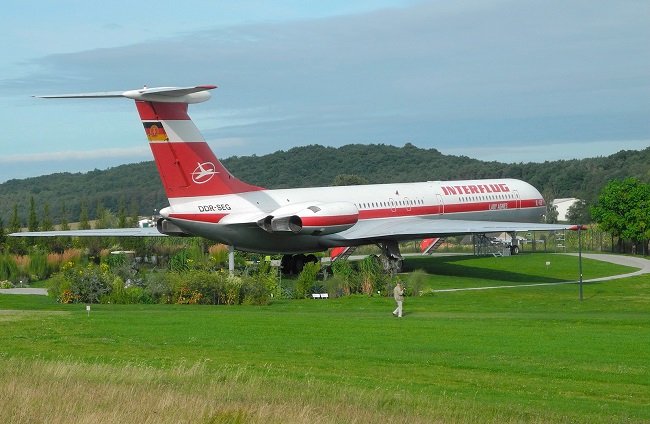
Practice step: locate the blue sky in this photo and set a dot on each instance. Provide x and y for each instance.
(512, 81)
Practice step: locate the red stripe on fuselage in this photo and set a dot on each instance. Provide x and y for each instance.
(207, 217)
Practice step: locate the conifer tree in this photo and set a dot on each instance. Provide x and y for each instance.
(3, 234)
(100, 221)
(64, 226)
(84, 224)
(46, 222)
(135, 218)
(15, 244)
(32, 223)
(14, 225)
(122, 219)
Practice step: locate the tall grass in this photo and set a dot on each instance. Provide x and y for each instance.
(66, 391)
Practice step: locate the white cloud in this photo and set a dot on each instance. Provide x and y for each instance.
(128, 154)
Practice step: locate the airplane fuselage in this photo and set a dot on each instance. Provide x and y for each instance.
(227, 218)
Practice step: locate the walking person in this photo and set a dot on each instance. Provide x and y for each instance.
(398, 293)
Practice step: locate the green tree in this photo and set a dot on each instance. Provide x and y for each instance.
(32, 223)
(46, 222)
(122, 219)
(101, 221)
(551, 209)
(348, 179)
(134, 219)
(15, 244)
(64, 226)
(84, 223)
(579, 213)
(622, 210)
(46, 225)
(15, 225)
(3, 234)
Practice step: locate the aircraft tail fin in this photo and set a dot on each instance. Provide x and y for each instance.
(187, 165)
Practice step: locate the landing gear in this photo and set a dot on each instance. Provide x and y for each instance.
(514, 247)
(391, 258)
(293, 264)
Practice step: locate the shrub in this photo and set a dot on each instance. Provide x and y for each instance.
(267, 276)
(219, 255)
(8, 268)
(342, 269)
(307, 279)
(81, 284)
(254, 292)
(335, 286)
(115, 260)
(91, 284)
(370, 273)
(180, 262)
(416, 282)
(37, 267)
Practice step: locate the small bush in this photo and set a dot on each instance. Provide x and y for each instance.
(416, 282)
(8, 268)
(79, 284)
(307, 279)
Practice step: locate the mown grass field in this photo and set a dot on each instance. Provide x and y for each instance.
(529, 354)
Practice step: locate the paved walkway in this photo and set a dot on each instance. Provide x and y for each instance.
(42, 292)
(631, 261)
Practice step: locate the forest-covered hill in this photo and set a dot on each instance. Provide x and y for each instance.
(139, 184)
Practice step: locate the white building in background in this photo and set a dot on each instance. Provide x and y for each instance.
(563, 206)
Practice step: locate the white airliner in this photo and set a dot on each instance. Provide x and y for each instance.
(206, 200)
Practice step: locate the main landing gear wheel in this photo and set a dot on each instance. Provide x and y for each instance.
(293, 264)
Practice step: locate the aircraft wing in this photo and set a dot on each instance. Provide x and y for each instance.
(108, 232)
(417, 227)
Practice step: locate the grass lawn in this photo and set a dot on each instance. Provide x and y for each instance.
(528, 268)
(528, 354)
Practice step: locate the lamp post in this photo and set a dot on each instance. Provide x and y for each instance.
(580, 256)
(579, 229)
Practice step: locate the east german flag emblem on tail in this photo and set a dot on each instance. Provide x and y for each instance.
(155, 131)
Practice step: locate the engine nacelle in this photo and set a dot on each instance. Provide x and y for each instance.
(169, 228)
(321, 219)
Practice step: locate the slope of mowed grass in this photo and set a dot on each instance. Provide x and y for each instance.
(529, 354)
(528, 268)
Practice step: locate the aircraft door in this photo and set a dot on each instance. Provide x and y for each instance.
(391, 202)
(441, 205)
(517, 199)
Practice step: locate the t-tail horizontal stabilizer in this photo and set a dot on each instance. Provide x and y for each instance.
(187, 95)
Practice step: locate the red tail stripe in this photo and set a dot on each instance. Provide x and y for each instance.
(155, 111)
